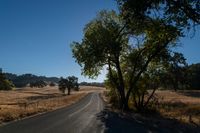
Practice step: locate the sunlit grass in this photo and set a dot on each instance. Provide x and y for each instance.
(29, 101)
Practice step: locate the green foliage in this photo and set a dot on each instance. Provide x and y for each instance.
(194, 76)
(62, 85)
(97, 84)
(39, 84)
(174, 75)
(182, 14)
(69, 83)
(136, 46)
(101, 41)
(4, 83)
(72, 83)
(113, 94)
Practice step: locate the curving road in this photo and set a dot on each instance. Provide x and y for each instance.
(80, 117)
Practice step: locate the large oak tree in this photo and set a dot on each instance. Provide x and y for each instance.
(131, 43)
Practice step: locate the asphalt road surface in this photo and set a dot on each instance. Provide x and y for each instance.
(80, 117)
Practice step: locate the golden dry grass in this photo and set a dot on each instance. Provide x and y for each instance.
(186, 97)
(180, 105)
(24, 102)
(183, 106)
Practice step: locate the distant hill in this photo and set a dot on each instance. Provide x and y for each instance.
(92, 84)
(23, 80)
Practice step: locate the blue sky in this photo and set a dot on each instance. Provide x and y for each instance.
(35, 35)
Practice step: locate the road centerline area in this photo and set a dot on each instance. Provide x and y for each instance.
(78, 111)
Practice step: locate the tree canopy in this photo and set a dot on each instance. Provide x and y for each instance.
(101, 42)
(194, 76)
(71, 82)
(5, 84)
(39, 84)
(135, 46)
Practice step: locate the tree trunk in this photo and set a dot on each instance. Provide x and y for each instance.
(69, 91)
(124, 101)
(152, 56)
(126, 106)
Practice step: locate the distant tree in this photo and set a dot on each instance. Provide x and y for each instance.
(5, 84)
(39, 84)
(193, 72)
(74, 83)
(62, 85)
(69, 83)
(52, 84)
(92, 84)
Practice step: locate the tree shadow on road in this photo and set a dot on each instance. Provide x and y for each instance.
(122, 123)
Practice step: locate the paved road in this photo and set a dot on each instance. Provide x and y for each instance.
(80, 117)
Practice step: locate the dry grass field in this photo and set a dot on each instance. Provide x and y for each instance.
(181, 105)
(19, 103)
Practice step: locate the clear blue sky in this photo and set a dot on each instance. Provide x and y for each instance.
(35, 35)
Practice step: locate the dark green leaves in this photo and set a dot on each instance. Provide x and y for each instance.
(69, 83)
(4, 83)
(102, 41)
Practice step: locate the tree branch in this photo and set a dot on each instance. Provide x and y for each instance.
(157, 51)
